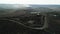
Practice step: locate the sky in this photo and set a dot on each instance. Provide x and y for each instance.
(26, 3)
(30, 2)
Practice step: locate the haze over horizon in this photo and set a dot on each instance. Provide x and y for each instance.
(26, 5)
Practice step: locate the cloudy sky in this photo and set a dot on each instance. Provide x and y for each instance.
(29, 1)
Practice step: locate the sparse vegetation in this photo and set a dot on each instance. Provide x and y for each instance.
(53, 16)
